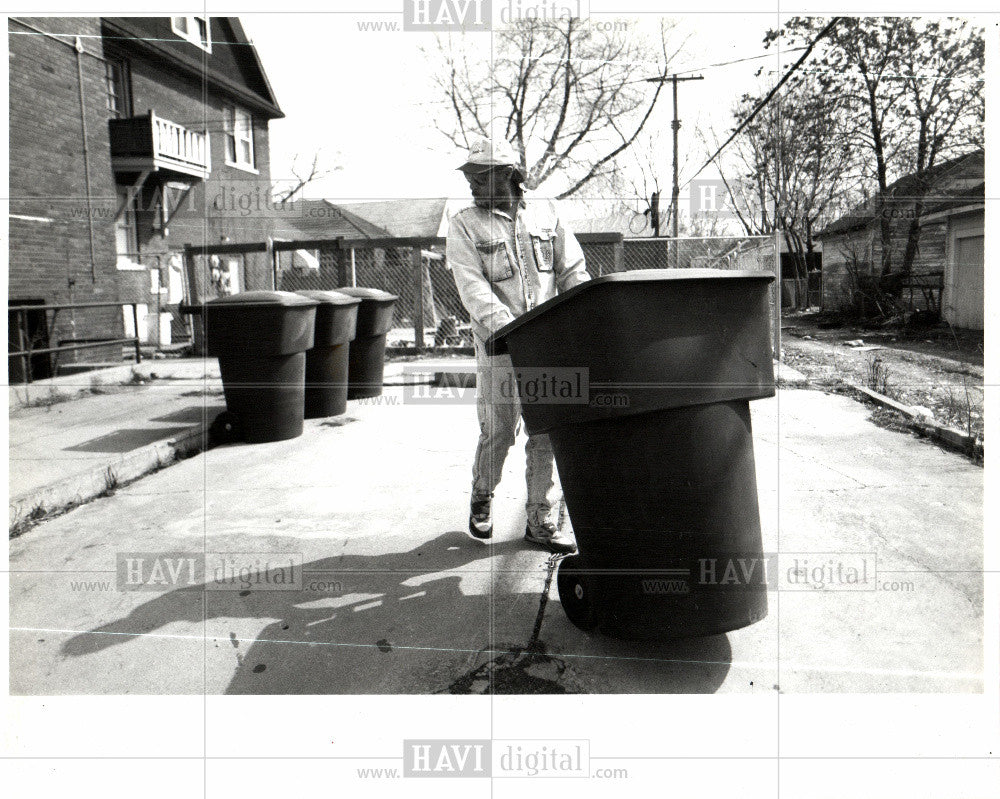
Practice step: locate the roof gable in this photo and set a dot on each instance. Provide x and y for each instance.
(233, 66)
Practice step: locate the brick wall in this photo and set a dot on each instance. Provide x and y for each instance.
(233, 202)
(50, 251)
(52, 224)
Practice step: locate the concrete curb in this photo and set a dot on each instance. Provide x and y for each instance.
(99, 480)
(947, 436)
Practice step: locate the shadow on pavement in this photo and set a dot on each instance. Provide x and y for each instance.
(192, 413)
(400, 623)
(127, 440)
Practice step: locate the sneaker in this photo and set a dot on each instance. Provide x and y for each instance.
(547, 536)
(481, 517)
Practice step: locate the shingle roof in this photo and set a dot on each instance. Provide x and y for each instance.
(904, 190)
(320, 219)
(403, 217)
(971, 196)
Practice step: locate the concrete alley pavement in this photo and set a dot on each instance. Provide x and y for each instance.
(397, 599)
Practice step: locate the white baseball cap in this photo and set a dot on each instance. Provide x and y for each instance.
(485, 154)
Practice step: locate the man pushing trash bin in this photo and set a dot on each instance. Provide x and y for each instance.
(508, 254)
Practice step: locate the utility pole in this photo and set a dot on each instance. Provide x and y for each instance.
(675, 126)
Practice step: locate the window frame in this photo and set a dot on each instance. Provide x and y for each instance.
(191, 33)
(231, 133)
(128, 224)
(123, 87)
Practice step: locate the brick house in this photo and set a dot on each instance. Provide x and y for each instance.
(853, 242)
(129, 138)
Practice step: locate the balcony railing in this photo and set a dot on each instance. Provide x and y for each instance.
(151, 142)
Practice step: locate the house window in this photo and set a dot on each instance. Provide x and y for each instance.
(119, 100)
(126, 239)
(238, 125)
(195, 29)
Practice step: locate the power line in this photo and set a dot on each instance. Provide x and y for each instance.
(767, 99)
(488, 100)
(738, 61)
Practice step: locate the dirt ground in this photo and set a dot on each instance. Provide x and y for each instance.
(936, 368)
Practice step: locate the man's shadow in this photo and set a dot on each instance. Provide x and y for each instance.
(396, 623)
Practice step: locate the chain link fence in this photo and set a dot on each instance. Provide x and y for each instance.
(416, 273)
(429, 311)
(608, 253)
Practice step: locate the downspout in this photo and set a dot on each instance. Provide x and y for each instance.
(78, 46)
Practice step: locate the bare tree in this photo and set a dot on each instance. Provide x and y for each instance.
(942, 70)
(913, 96)
(571, 97)
(284, 191)
(636, 184)
(794, 165)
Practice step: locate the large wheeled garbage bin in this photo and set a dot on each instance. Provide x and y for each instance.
(367, 354)
(260, 339)
(326, 362)
(656, 459)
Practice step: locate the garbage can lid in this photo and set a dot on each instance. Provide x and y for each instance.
(329, 297)
(496, 344)
(366, 293)
(283, 298)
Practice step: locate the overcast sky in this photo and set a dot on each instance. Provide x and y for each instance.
(365, 99)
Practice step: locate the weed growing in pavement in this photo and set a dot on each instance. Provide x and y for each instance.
(877, 375)
(54, 397)
(111, 482)
(96, 386)
(961, 408)
(25, 521)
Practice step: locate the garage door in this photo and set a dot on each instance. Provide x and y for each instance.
(965, 300)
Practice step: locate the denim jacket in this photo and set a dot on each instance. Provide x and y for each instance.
(503, 270)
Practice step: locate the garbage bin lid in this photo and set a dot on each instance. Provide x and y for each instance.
(497, 342)
(366, 293)
(329, 297)
(284, 298)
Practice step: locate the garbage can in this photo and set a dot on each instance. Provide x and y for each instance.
(326, 362)
(260, 339)
(655, 455)
(366, 360)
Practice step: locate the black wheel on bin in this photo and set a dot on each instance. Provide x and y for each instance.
(226, 428)
(579, 592)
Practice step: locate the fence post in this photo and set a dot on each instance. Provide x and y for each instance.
(195, 298)
(24, 342)
(777, 297)
(418, 298)
(135, 325)
(269, 249)
(618, 259)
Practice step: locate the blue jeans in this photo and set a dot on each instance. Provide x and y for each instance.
(499, 422)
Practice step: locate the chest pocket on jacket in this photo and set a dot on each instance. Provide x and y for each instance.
(497, 261)
(543, 243)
